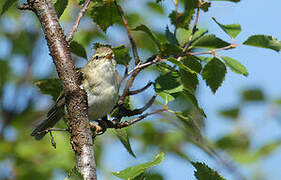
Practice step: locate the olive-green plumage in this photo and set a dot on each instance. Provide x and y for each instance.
(100, 80)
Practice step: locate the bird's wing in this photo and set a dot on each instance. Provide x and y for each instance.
(53, 116)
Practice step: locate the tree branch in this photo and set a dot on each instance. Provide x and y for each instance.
(140, 90)
(127, 113)
(76, 98)
(119, 125)
(102, 125)
(194, 30)
(134, 47)
(80, 15)
(214, 51)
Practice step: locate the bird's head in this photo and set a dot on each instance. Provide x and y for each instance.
(103, 53)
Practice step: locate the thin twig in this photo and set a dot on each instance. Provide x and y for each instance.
(53, 129)
(126, 72)
(120, 125)
(176, 10)
(198, 37)
(140, 90)
(129, 83)
(80, 15)
(194, 30)
(134, 73)
(134, 47)
(190, 40)
(214, 51)
(136, 56)
(129, 113)
(142, 66)
(103, 125)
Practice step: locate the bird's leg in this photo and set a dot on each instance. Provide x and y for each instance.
(95, 128)
(102, 125)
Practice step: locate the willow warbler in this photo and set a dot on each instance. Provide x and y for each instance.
(100, 80)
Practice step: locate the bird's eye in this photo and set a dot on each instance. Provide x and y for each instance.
(96, 57)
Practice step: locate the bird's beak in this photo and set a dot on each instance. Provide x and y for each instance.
(109, 56)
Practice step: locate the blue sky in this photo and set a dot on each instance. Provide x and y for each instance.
(255, 17)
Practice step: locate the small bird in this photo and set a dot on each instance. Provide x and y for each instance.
(101, 82)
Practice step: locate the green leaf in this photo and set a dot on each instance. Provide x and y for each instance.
(168, 49)
(183, 35)
(264, 42)
(234, 142)
(124, 138)
(181, 19)
(253, 156)
(210, 41)
(277, 101)
(132, 172)
(149, 33)
(122, 55)
(163, 68)
(105, 14)
(231, 29)
(253, 95)
(230, 113)
(181, 65)
(74, 174)
(204, 172)
(81, 2)
(51, 87)
(213, 73)
(194, 101)
(127, 104)
(60, 6)
(171, 37)
(205, 6)
(193, 63)
(167, 86)
(149, 176)
(192, 128)
(78, 49)
(97, 45)
(205, 59)
(7, 5)
(20, 41)
(157, 8)
(188, 79)
(190, 4)
(235, 66)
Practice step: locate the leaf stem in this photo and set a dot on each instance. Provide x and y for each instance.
(214, 51)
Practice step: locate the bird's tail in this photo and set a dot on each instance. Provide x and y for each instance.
(53, 116)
